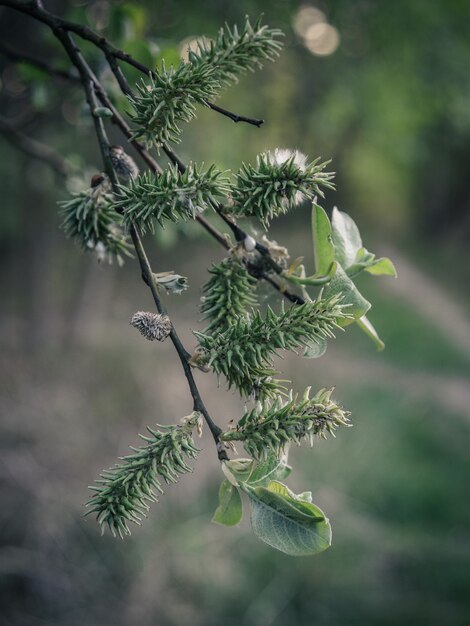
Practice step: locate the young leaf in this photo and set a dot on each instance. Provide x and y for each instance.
(346, 238)
(230, 509)
(367, 327)
(286, 522)
(238, 470)
(257, 473)
(271, 469)
(323, 248)
(342, 284)
(382, 267)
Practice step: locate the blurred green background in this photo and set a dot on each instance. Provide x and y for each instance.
(383, 89)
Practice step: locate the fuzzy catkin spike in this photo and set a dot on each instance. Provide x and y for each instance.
(227, 295)
(124, 492)
(236, 51)
(170, 96)
(278, 182)
(152, 326)
(171, 196)
(89, 219)
(270, 428)
(244, 352)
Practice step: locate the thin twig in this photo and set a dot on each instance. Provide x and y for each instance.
(88, 83)
(234, 117)
(36, 10)
(240, 235)
(110, 52)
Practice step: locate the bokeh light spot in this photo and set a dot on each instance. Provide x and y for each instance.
(322, 39)
(305, 18)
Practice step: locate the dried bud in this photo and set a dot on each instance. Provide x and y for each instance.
(100, 186)
(199, 360)
(280, 254)
(124, 165)
(151, 325)
(173, 283)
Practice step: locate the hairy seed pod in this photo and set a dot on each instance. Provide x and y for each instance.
(151, 325)
(99, 185)
(124, 165)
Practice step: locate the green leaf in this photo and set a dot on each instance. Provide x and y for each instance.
(287, 522)
(102, 112)
(237, 470)
(265, 472)
(341, 283)
(346, 238)
(230, 509)
(369, 330)
(323, 248)
(382, 267)
(256, 473)
(315, 349)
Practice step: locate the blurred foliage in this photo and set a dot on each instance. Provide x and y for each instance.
(391, 107)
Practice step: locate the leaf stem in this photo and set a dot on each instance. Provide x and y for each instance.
(308, 280)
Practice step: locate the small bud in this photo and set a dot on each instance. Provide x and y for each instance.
(249, 243)
(151, 325)
(199, 360)
(102, 112)
(100, 185)
(172, 283)
(195, 419)
(124, 165)
(280, 254)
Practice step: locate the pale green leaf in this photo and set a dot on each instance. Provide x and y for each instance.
(266, 471)
(238, 470)
(286, 522)
(365, 325)
(323, 249)
(341, 283)
(230, 509)
(382, 267)
(346, 238)
(256, 473)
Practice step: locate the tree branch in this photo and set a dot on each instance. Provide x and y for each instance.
(36, 10)
(111, 52)
(87, 79)
(234, 117)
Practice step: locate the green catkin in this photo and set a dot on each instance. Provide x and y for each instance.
(244, 352)
(271, 427)
(170, 196)
(227, 295)
(124, 492)
(278, 182)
